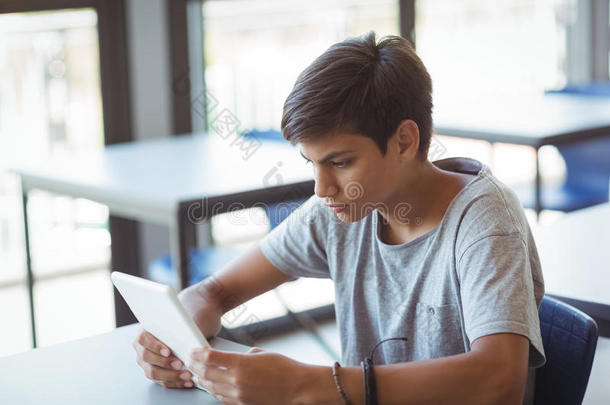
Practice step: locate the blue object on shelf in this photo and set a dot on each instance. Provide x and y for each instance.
(205, 261)
(587, 165)
(569, 337)
(267, 135)
(593, 88)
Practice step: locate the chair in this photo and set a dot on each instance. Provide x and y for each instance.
(587, 165)
(205, 261)
(569, 337)
(586, 183)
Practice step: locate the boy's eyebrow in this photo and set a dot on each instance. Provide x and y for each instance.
(328, 157)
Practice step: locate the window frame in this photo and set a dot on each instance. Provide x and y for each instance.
(114, 77)
(117, 121)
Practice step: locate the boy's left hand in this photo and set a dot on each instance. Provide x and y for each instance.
(252, 378)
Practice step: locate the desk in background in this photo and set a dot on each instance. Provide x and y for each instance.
(575, 258)
(179, 182)
(552, 119)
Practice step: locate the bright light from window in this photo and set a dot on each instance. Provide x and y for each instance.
(480, 47)
(254, 50)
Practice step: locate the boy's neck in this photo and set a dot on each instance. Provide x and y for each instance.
(428, 191)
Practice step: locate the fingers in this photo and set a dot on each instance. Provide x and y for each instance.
(153, 344)
(164, 370)
(169, 377)
(222, 391)
(211, 373)
(154, 359)
(213, 357)
(175, 384)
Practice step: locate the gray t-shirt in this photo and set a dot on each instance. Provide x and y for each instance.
(476, 273)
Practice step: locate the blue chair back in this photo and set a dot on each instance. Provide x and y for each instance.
(588, 162)
(276, 213)
(205, 261)
(588, 167)
(569, 337)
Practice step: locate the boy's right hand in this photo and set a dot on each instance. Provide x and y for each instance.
(159, 363)
(157, 360)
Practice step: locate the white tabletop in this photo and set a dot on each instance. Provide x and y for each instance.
(575, 255)
(103, 370)
(97, 370)
(547, 119)
(146, 180)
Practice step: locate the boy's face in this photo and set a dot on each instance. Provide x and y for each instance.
(351, 174)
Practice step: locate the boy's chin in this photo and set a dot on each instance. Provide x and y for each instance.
(348, 217)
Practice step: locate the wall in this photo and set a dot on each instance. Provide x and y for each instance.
(150, 94)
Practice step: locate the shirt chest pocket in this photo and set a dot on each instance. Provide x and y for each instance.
(439, 331)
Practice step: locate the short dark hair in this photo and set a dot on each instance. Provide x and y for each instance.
(361, 86)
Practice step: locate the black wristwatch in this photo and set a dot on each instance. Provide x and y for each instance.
(370, 384)
(368, 374)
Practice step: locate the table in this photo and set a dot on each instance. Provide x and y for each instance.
(97, 370)
(575, 258)
(102, 370)
(551, 119)
(179, 181)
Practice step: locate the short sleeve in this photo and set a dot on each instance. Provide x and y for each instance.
(297, 246)
(497, 291)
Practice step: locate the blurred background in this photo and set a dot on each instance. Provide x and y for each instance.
(179, 56)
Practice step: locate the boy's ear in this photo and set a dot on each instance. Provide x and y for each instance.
(407, 139)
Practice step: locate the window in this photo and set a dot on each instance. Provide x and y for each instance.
(51, 104)
(255, 49)
(506, 47)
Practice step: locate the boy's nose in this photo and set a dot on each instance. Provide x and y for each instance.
(324, 186)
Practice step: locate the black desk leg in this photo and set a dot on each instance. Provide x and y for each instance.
(183, 239)
(125, 251)
(538, 195)
(28, 261)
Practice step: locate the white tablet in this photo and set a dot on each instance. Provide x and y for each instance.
(160, 312)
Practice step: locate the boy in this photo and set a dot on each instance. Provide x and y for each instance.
(439, 253)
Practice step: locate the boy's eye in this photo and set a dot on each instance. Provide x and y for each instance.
(341, 164)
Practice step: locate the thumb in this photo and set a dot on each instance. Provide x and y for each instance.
(255, 350)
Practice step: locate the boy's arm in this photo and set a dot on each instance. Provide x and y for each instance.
(244, 278)
(493, 372)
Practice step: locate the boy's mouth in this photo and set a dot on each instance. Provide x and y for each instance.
(336, 208)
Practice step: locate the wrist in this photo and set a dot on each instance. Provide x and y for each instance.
(316, 387)
(210, 291)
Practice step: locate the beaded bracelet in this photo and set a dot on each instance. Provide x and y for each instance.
(337, 366)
